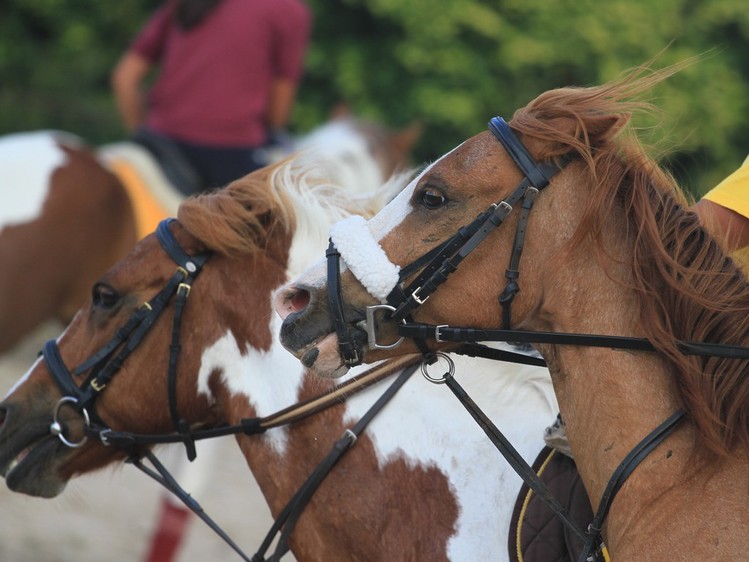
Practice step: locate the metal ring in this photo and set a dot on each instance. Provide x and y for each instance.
(56, 428)
(443, 379)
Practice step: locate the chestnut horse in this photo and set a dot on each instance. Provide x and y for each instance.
(608, 248)
(422, 483)
(67, 212)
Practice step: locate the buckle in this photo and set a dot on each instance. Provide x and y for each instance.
(416, 298)
(437, 332)
(371, 329)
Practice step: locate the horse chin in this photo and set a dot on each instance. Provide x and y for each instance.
(34, 470)
(324, 359)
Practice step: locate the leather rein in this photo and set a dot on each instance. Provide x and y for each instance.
(105, 363)
(433, 269)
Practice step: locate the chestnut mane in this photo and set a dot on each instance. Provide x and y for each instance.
(291, 196)
(688, 289)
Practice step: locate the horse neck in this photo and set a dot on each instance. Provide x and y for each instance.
(609, 399)
(258, 378)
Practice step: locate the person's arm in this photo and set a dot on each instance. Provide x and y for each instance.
(283, 94)
(291, 33)
(127, 85)
(725, 225)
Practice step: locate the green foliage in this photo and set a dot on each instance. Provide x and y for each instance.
(55, 59)
(451, 64)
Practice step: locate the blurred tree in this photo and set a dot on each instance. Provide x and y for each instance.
(55, 58)
(450, 63)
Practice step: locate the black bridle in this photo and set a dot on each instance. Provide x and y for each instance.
(105, 363)
(433, 269)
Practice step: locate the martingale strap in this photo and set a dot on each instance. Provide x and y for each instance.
(512, 456)
(620, 475)
(287, 519)
(255, 426)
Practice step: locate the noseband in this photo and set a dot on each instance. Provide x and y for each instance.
(103, 365)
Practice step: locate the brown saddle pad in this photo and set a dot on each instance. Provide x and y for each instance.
(536, 534)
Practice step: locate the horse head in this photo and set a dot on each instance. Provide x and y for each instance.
(111, 368)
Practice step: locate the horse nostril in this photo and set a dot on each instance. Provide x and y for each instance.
(298, 300)
(291, 300)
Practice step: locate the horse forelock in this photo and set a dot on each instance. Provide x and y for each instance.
(687, 288)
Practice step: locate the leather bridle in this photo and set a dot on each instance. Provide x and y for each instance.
(435, 266)
(104, 364)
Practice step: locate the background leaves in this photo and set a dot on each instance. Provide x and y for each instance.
(451, 64)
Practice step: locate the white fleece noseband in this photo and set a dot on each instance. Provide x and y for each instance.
(364, 256)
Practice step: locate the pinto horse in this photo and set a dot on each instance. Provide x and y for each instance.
(609, 247)
(421, 482)
(69, 212)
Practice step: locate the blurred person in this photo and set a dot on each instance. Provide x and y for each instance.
(228, 73)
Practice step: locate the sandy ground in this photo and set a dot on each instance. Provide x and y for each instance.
(110, 515)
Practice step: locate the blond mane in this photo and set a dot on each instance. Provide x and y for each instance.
(291, 196)
(688, 289)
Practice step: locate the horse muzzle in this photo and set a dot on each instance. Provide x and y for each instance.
(308, 330)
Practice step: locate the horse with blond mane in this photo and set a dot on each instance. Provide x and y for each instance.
(612, 257)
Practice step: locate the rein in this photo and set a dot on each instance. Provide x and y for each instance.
(437, 264)
(104, 364)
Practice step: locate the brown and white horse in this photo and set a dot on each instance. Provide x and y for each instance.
(609, 248)
(422, 483)
(68, 212)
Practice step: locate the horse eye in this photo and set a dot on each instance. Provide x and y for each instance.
(104, 296)
(432, 198)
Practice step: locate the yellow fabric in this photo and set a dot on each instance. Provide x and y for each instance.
(148, 211)
(733, 193)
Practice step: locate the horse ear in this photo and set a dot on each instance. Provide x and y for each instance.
(600, 128)
(404, 140)
(603, 128)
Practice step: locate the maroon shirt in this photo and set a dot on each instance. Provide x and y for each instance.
(215, 79)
